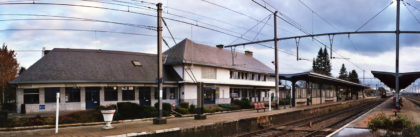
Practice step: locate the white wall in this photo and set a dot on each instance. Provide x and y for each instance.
(222, 77)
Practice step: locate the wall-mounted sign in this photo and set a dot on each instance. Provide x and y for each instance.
(41, 107)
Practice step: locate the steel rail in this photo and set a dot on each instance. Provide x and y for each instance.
(322, 34)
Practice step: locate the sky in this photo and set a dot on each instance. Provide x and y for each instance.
(237, 18)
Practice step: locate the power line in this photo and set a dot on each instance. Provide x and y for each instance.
(296, 25)
(314, 12)
(412, 14)
(81, 30)
(370, 19)
(113, 9)
(75, 19)
(166, 25)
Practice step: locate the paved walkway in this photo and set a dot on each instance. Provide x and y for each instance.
(147, 126)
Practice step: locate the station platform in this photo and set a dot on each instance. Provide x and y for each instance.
(359, 127)
(146, 126)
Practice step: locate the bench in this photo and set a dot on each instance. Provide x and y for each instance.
(258, 106)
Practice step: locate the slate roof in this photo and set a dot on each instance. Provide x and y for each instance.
(94, 66)
(189, 52)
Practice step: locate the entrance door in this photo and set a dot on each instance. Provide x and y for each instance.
(92, 97)
(144, 96)
(209, 96)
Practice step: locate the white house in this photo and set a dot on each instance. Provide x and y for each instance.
(88, 78)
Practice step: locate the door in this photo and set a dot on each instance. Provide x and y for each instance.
(144, 96)
(92, 97)
(209, 96)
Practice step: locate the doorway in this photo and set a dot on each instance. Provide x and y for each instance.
(92, 97)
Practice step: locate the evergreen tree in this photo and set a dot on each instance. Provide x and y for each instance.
(326, 63)
(354, 77)
(343, 73)
(322, 63)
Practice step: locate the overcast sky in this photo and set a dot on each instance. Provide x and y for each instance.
(365, 52)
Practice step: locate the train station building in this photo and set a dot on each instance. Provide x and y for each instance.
(88, 78)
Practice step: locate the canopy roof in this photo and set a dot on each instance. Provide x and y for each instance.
(319, 78)
(405, 79)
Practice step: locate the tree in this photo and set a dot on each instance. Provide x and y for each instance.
(8, 68)
(322, 63)
(21, 70)
(343, 73)
(354, 77)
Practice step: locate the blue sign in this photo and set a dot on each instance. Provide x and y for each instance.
(41, 107)
(162, 81)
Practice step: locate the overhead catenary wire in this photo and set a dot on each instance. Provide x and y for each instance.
(113, 9)
(374, 16)
(411, 12)
(297, 26)
(69, 18)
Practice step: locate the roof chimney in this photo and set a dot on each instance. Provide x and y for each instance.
(248, 52)
(220, 46)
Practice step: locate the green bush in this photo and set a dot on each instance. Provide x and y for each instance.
(166, 108)
(81, 117)
(147, 111)
(226, 106)
(380, 121)
(181, 110)
(244, 103)
(128, 110)
(285, 101)
(184, 104)
(192, 109)
(212, 109)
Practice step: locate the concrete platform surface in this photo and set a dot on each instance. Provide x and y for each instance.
(127, 128)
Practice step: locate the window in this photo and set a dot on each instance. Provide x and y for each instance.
(72, 94)
(208, 73)
(231, 74)
(31, 96)
(111, 94)
(172, 93)
(128, 93)
(136, 63)
(51, 94)
(250, 76)
(244, 93)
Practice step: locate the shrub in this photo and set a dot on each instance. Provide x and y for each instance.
(226, 106)
(184, 104)
(192, 109)
(380, 121)
(147, 111)
(166, 108)
(181, 110)
(3, 118)
(128, 110)
(212, 109)
(244, 103)
(81, 117)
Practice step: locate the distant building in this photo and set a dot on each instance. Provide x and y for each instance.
(89, 78)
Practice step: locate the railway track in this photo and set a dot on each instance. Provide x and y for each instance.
(317, 125)
(415, 100)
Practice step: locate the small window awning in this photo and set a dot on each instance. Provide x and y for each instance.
(388, 78)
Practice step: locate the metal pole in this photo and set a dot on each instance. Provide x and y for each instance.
(397, 57)
(276, 63)
(57, 112)
(159, 119)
